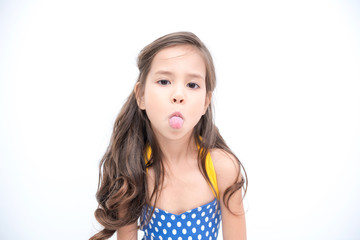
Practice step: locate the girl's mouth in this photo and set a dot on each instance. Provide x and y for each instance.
(176, 120)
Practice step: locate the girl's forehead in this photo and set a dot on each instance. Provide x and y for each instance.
(180, 57)
(176, 51)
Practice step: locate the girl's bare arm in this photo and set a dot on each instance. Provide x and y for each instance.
(227, 170)
(128, 232)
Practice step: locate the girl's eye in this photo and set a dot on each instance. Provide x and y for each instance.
(164, 82)
(193, 85)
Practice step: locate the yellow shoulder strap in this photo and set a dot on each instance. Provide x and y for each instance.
(209, 166)
(147, 156)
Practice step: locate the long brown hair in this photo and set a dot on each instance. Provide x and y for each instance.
(122, 190)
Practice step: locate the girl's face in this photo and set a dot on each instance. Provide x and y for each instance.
(175, 95)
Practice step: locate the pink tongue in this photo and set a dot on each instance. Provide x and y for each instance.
(176, 122)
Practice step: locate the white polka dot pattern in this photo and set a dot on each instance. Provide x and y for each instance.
(199, 223)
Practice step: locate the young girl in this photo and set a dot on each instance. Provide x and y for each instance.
(167, 169)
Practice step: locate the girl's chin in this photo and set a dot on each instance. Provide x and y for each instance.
(173, 133)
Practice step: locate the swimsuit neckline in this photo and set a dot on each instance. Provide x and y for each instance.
(206, 205)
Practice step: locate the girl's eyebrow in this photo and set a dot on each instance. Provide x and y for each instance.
(191, 75)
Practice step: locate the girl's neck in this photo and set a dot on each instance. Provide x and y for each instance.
(175, 151)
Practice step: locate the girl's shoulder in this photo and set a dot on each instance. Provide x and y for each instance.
(226, 166)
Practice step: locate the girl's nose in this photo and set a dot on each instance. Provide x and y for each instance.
(178, 99)
(178, 94)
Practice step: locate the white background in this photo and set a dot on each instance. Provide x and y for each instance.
(287, 103)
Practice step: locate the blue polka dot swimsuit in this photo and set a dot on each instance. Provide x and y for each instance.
(199, 223)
